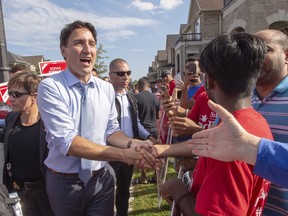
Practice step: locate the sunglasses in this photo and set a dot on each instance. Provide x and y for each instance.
(122, 73)
(16, 94)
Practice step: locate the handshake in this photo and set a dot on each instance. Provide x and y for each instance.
(142, 154)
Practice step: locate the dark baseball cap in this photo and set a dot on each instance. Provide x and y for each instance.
(165, 72)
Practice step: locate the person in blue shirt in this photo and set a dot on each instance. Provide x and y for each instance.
(229, 142)
(79, 181)
(270, 99)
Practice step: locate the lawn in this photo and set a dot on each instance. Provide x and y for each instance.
(145, 202)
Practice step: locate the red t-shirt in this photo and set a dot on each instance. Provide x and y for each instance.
(230, 188)
(172, 85)
(201, 112)
(198, 92)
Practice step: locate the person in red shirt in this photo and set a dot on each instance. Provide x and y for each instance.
(167, 77)
(225, 188)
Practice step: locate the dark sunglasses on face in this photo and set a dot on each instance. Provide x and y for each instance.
(122, 73)
(16, 94)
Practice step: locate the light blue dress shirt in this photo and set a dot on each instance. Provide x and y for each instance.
(126, 122)
(59, 101)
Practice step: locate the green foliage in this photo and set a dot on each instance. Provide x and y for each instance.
(100, 64)
(145, 202)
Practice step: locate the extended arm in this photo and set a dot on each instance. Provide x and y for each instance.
(226, 142)
(229, 142)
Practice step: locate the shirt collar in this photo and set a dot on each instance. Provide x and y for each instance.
(71, 79)
(282, 86)
(121, 94)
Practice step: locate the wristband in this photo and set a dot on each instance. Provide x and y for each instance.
(149, 136)
(129, 143)
(186, 112)
(178, 200)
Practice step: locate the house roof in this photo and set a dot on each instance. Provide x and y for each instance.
(14, 58)
(34, 60)
(210, 5)
(170, 40)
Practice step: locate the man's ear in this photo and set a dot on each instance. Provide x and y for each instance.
(209, 82)
(286, 54)
(62, 49)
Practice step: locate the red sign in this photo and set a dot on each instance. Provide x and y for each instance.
(52, 67)
(3, 92)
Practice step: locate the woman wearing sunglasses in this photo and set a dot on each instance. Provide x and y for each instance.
(25, 147)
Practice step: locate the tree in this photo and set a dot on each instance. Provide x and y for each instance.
(100, 64)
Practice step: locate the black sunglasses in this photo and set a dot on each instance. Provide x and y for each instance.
(122, 73)
(17, 94)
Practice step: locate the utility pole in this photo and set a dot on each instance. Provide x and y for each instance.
(4, 74)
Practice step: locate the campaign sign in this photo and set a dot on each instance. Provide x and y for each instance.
(52, 67)
(4, 92)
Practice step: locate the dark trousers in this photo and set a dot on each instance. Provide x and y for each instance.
(34, 202)
(70, 197)
(123, 176)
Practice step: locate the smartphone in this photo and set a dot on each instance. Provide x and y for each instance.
(164, 94)
(179, 92)
(192, 68)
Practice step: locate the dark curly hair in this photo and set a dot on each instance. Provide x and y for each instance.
(234, 62)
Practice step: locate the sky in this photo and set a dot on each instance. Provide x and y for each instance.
(130, 29)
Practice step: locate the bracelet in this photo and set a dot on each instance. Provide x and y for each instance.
(149, 136)
(186, 112)
(129, 143)
(178, 200)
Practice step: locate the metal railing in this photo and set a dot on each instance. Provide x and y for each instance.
(189, 37)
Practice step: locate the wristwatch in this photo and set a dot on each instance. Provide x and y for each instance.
(129, 143)
(149, 136)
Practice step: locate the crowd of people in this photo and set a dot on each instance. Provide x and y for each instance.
(73, 139)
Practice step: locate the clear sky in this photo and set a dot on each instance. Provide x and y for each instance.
(129, 29)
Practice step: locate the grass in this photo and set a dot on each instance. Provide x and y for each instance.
(145, 202)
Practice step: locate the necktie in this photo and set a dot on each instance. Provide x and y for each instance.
(85, 171)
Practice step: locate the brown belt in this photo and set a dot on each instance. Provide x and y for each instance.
(27, 185)
(95, 172)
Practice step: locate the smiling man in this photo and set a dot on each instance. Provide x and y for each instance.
(79, 114)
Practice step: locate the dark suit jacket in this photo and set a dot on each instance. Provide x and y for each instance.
(10, 121)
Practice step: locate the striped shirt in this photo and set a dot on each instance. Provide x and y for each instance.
(274, 108)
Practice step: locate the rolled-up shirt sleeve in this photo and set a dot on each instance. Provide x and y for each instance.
(271, 163)
(54, 111)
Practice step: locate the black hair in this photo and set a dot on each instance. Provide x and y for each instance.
(192, 59)
(67, 30)
(234, 62)
(143, 82)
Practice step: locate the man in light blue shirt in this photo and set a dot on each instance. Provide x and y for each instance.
(61, 103)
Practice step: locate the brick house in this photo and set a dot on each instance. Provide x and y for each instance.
(207, 19)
